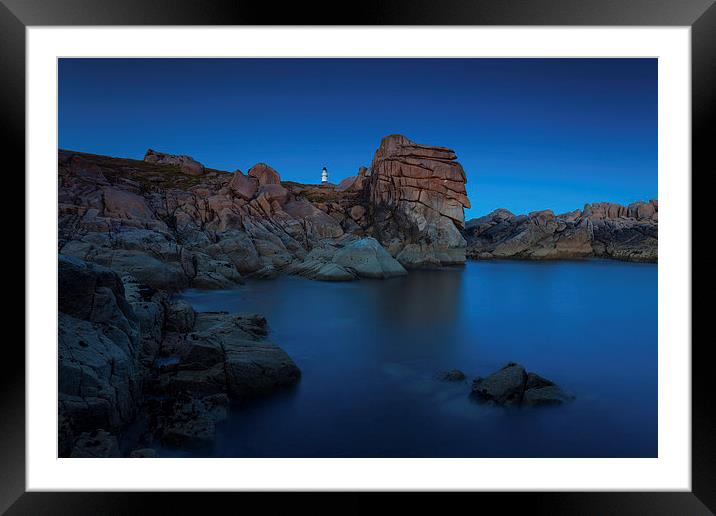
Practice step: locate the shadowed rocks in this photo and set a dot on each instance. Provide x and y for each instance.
(113, 333)
(513, 386)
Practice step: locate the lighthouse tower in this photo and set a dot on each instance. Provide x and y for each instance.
(324, 176)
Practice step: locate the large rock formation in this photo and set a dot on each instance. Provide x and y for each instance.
(416, 196)
(602, 229)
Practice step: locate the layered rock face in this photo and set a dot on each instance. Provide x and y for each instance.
(602, 229)
(416, 196)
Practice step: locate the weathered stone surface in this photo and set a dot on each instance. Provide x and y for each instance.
(368, 259)
(125, 205)
(180, 317)
(503, 387)
(274, 192)
(227, 353)
(99, 337)
(191, 422)
(602, 229)
(513, 386)
(265, 174)
(106, 352)
(187, 164)
(244, 186)
(357, 212)
(416, 197)
(316, 222)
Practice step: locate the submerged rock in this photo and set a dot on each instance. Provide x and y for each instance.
(503, 387)
(454, 375)
(512, 385)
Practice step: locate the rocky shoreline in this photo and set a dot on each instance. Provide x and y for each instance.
(131, 233)
(128, 354)
(603, 230)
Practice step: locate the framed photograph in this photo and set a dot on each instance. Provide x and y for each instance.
(414, 248)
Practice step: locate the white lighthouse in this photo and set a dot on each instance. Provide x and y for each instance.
(324, 176)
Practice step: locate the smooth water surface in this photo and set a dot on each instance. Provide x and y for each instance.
(370, 352)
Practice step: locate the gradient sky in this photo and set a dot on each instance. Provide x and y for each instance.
(531, 133)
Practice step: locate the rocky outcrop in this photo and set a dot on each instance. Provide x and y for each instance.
(416, 197)
(225, 353)
(602, 230)
(513, 386)
(99, 378)
(625, 233)
(115, 336)
(171, 223)
(186, 164)
(349, 259)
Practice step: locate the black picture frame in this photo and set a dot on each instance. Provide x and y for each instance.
(17, 15)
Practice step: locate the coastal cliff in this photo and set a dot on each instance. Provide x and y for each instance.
(604, 230)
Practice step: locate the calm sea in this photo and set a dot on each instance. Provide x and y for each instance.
(370, 352)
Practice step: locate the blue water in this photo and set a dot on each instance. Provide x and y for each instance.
(370, 351)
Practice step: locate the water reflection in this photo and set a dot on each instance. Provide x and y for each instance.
(427, 298)
(370, 351)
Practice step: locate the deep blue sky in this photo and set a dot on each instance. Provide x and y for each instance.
(530, 133)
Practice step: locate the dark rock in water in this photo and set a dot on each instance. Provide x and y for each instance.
(454, 375)
(96, 444)
(503, 387)
(512, 385)
(552, 395)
